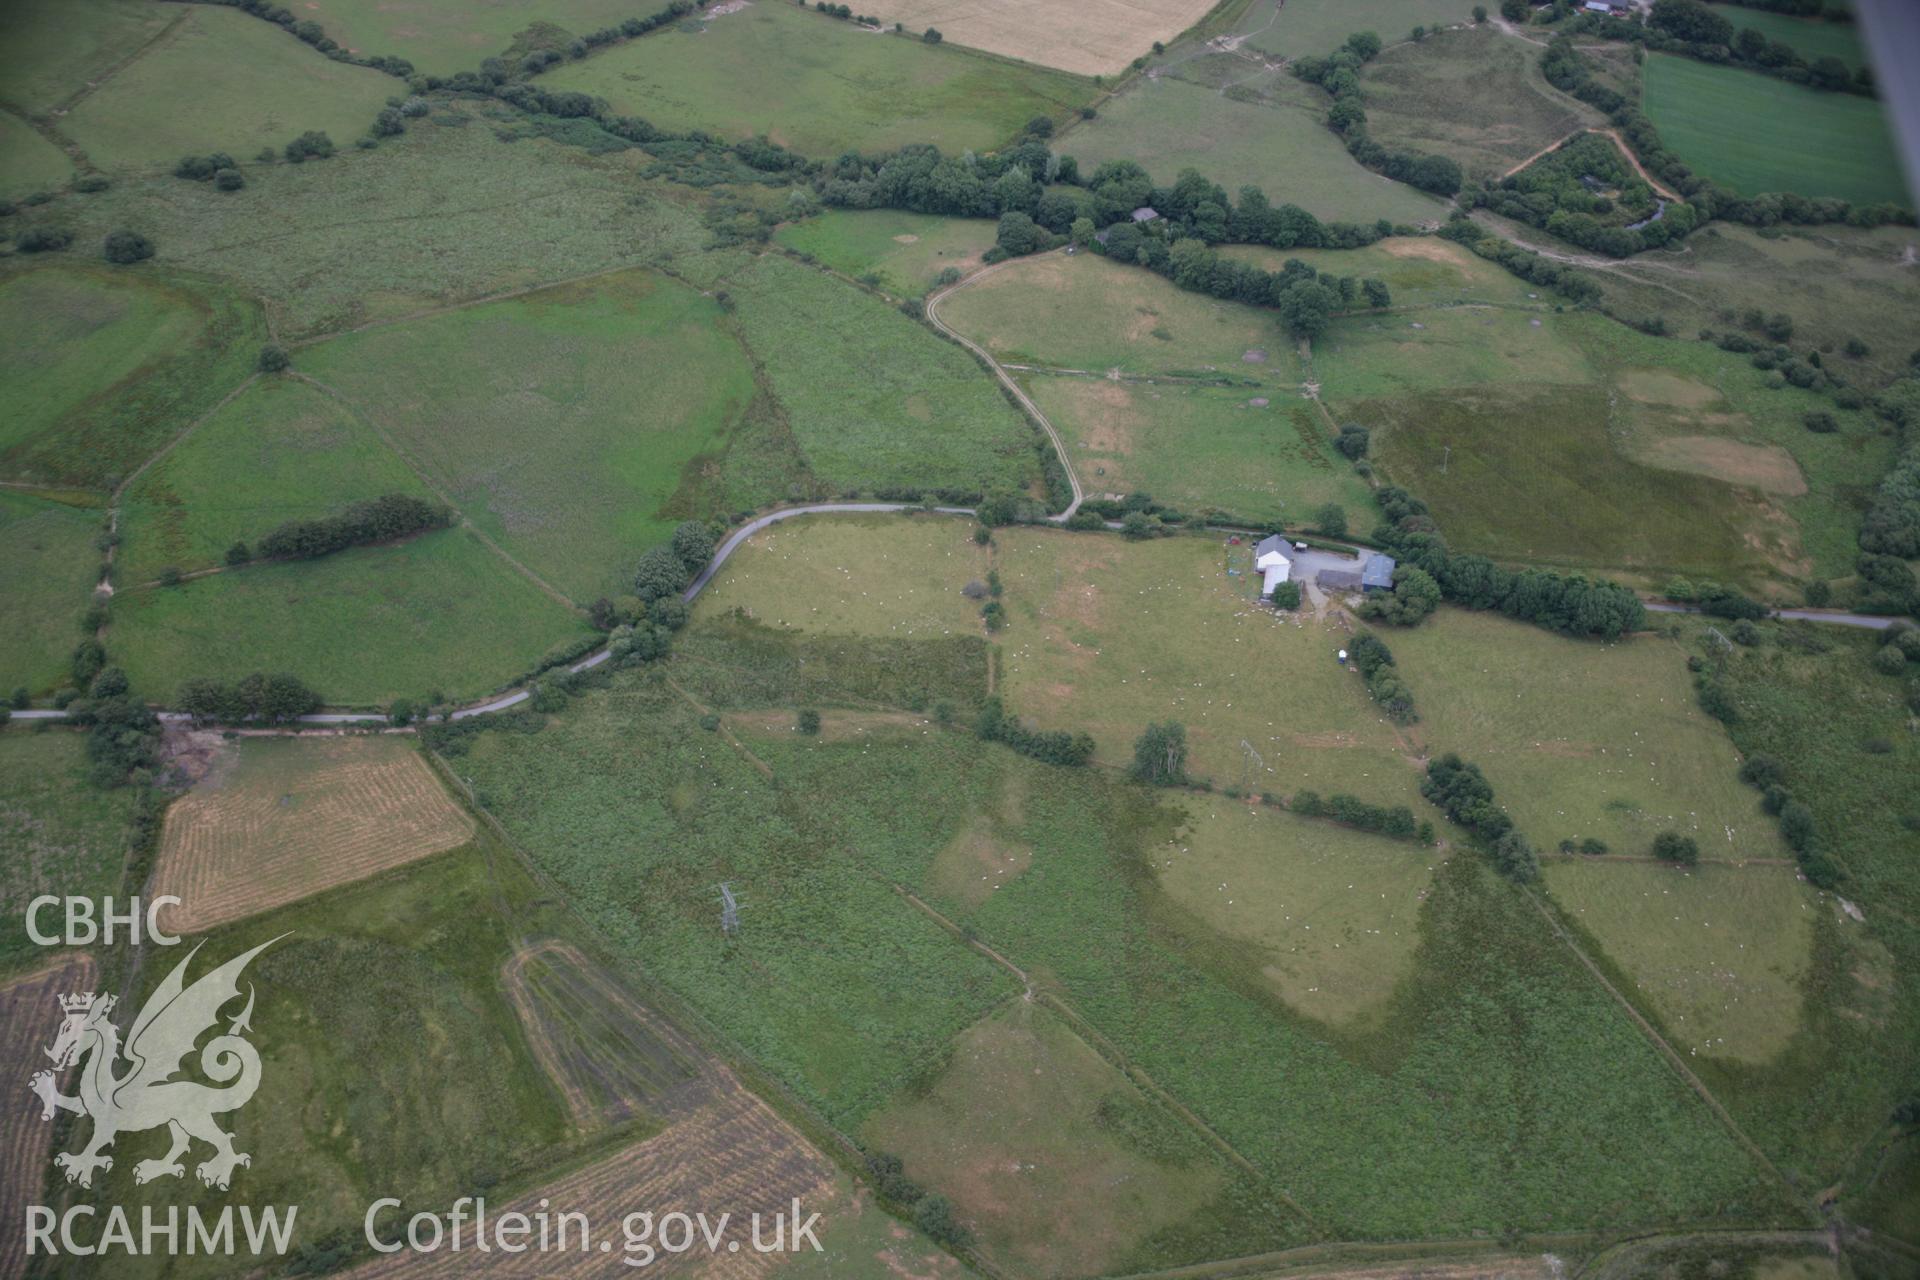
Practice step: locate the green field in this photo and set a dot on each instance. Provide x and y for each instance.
(48, 565)
(1270, 133)
(441, 37)
(448, 212)
(1475, 96)
(1297, 30)
(1719, 952)
(575, 425)
(441, 612)
(872, 399)
(905, 251)
(1754, 133)
(1331, 914)
(1667, 457)
(1811, 38)
(819, 86)
(1582, 739)
(48, 57)
(280, 450)
(1094, 315)
(28, 162)
(1259, 457)
(59, 833)
(1421, 271)
(392, 1063)
(107, 365)
(255, 86)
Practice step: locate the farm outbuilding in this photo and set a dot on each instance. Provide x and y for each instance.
(1145, 213)
(1339, 579)
(1274, 559)
(1377, 573)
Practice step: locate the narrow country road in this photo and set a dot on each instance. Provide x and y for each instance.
(1871, 621)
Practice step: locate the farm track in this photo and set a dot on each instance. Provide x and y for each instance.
(1620, 144)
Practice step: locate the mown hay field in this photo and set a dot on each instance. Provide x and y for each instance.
(30, 1011)
(1720, 953)
(1755, 133)
(871, 399)
(1094, 315)
(1255, 453)
(277, 820)
(819, 86)
(1474, 95)
(904, 251)
(48, 565)
(58, 832)
(574, 425)
(255, 86)
(280, 450)
(107, 365)
(442, 612)
(1240, 125)
(1089, 39)
(1024, 1121)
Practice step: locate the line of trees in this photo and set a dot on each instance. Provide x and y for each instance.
(1339, 75)
(394, 515)
(1396, 821)
(1463, 793)
(312, 33)
(1056, 746)
(1797, 826)
(667, 570)
(1375, 663)
(1691, 28)
(275, 698)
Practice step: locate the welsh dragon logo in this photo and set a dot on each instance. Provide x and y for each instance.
(145, 1095)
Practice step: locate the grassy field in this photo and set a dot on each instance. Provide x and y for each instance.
(280, 450)
(441, 612)
(1421, 271)
(1331, 915)
(1257, 457)
(1474, 95)
(1299, 30)
(1269, 132)
(1811, 38)
(1089, 39)
(872, 399)
(274, 821)
(48, 565)
(905, 251)
(854, 575)
(1668, 457)
(49, 57)
(1719, 952)
(1583, 739)
(28, 162)
(448, 212)
(255, 87)
(1754, 133)
(1025, 1119)
(1092, 314)
(575, 425)
(109, 364)
(442, 38)
(393, 1063)
(59, 833)
(1836, 283)
(819, 86)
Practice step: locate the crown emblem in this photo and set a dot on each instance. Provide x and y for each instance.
(84, 1002)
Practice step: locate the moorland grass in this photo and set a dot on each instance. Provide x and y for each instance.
(906, 251)
(1025, 1119)
(1754, 133)
(575, 425)
(254, 86)
(855, 575)
(1474, 95)
(873, 399)
(441, 38)
(1269, 133)
(280, 450)
(108, 364)
(60, 833)
(53, 52)
(1720, 952)
(1201, 449)
(443, 214)
(28, 162)
(393, 1063)
(1582, 739)
(441, 613)
(1331, 914)
(49, 562)
(1088, 313)
(820, 86)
